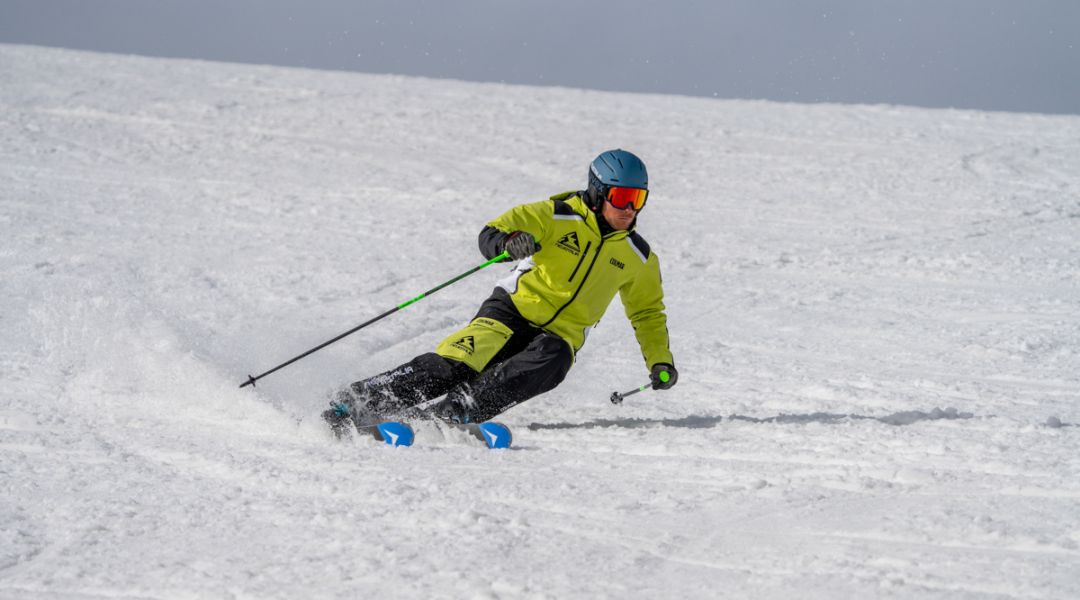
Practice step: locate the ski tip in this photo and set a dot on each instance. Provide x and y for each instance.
(496, 435)
(396, 434)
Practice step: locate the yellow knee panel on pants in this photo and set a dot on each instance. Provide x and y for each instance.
(477, 343)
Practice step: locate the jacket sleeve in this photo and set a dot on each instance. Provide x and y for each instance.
(643, 299)
(534, 218)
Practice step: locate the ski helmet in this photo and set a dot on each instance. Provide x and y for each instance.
(614, 168)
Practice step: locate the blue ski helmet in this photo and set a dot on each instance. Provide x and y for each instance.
(614, 168)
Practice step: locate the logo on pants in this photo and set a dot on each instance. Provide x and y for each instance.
(466, 344)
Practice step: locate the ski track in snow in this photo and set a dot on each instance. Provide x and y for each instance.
(875, 311)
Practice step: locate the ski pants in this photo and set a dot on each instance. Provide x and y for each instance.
(496, 362)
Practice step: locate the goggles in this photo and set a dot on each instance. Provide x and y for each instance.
(622, 197)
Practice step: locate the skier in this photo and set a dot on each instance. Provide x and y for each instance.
(576, 251)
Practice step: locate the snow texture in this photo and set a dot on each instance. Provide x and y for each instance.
(875, 311)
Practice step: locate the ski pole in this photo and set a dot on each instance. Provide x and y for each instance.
(617, 397)
(252, 379)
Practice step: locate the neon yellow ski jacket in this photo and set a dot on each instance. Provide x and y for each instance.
(567, 285)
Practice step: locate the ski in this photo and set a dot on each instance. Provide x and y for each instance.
(495, 435)
(393, 433)
(398, 433)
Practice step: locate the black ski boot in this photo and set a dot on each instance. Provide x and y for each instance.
(351, 406)
(453, 408)
(337, 417)
(450, 411)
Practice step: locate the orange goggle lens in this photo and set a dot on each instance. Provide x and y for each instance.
(621, 197)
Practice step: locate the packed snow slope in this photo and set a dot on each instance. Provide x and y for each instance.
(875, 312)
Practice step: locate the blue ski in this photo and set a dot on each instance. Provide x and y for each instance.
(397, 433)
(394, 433)
(495, 435)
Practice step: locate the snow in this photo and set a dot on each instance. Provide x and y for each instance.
(875, 311)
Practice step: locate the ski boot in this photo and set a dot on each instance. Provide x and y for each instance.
(350, 407)
(455, 407)
(337, 417)
(450, 411)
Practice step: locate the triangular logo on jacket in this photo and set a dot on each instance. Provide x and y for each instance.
(570, 243)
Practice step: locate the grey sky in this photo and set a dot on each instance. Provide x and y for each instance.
(1014, 55)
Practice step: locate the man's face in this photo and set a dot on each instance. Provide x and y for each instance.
(619, 218)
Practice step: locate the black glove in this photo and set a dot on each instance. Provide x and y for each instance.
(519, 245)
(663, 376)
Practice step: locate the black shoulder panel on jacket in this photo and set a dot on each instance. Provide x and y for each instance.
(567, 195)
(640, 243)
(561, 207)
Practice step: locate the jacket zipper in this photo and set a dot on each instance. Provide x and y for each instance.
(584, 278)
(581, 260)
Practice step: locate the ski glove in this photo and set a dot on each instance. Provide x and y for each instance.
(663, 376)
(519, 245)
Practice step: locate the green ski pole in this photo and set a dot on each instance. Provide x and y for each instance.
(253, 378)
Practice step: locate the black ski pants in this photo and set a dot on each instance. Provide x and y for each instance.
(531, 362)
